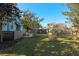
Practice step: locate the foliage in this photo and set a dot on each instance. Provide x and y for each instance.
(31, 20)
(73, 15)
(8, 10)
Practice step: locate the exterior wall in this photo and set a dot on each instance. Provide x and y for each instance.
(12, 25)
(9, 26)
(9, 29)
(18, 34)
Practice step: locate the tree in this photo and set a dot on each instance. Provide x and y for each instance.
(30, 20)
(73, 15)
(8, 10)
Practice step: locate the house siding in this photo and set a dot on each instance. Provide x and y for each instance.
(12, 25)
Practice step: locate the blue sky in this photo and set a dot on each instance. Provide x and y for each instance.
(51, 12)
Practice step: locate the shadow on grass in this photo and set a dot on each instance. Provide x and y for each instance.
(55, 48)
(42, 46)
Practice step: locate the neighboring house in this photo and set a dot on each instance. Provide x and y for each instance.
(13, 28)
(57, 28)
(13, 25)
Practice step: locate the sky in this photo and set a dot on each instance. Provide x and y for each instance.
(51, 12)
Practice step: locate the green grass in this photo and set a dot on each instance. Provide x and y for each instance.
(43, 45)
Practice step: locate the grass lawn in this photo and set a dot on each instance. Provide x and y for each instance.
(42, 45)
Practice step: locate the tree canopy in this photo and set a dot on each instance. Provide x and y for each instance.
(8, 9)
(31, 20)
(73, 15)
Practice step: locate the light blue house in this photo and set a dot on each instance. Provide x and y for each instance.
(13, 25)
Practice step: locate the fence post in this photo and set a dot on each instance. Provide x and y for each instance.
(1, 36)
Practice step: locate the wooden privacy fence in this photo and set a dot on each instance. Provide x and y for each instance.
(10, 35)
